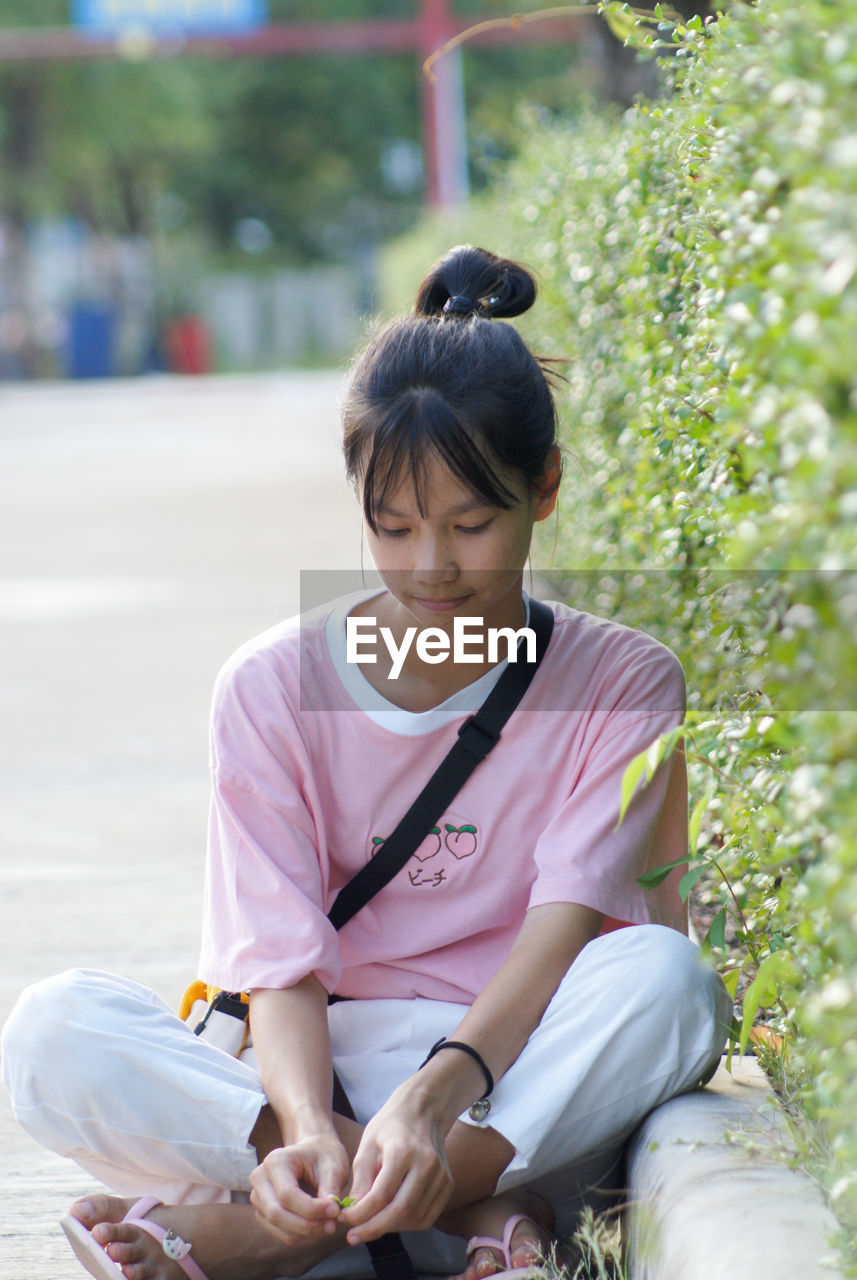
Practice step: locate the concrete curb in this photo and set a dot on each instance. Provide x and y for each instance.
(711, 1193)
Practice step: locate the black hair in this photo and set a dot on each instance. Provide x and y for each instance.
(448, 383)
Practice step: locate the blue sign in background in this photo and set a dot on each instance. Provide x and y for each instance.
(197, 16)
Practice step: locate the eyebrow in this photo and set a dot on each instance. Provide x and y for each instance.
(459, 510)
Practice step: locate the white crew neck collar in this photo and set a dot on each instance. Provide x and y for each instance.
(380, 710)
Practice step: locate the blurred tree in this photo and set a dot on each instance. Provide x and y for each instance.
(48, 13)
(312, 157)
(300, 145)
(118, 134)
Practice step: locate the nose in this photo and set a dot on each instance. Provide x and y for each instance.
(434, 577)
(435, 562)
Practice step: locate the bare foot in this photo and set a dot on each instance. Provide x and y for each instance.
(531, 1239)
(229, 1242)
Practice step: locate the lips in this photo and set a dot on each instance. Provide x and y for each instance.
(441, 606)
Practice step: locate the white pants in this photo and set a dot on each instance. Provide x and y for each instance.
(99, 1069)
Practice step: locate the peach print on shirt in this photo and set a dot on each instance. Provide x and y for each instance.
(430, 865)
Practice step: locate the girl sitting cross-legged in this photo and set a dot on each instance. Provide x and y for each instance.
(513, 1002)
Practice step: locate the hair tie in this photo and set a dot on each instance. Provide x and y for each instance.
(459, 305)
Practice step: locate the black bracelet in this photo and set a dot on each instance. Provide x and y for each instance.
(443, 1043)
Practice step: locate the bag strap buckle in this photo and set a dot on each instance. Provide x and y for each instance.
(477, 738)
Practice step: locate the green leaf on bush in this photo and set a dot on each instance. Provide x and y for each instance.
(716, 935)
(624, 25)
(696, 817)
(730, 981)
(632, 775)
(654, 755)
(763, 990)
(645, 766)
(689, 879)
(651, 879)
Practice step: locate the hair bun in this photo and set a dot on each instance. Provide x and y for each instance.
(470, 281)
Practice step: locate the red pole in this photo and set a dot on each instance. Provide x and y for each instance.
(443, 132)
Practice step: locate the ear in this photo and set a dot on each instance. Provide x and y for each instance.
(548, 487)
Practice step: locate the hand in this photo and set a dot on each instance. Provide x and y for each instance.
(293, 1189)
(400, 1177)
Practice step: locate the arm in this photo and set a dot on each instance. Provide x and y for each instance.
(503, 1017)
(400, 1174)
(290, 1035)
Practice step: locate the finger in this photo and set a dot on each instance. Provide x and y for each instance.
(381, 1194)
(288, 1220)
(417, 1203)
(377, 1175)
(289, 1238)
(284, 1171)
(271, 1213)
(363, 1175)
(288, 1227)
(333, 1177)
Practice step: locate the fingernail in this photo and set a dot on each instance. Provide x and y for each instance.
(86, 1207)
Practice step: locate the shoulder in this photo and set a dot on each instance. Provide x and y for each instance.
(290, 664)
(278, 662)
(611, 661)
(265, 660)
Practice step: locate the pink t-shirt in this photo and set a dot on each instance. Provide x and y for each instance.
(307, 783)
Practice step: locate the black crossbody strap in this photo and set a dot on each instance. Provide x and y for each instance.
(476, 737)
(390, 1259)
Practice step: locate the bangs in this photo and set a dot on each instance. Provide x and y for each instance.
(419, 429)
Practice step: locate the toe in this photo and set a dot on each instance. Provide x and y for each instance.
(529, 1244)
(137, 1256)
(85, 1211)
(125, 1233)
(99, 1208)
(137, 1271)
(484, 1263)
(120, 1252)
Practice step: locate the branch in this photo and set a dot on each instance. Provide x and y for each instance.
(518, 20)
(515, 21)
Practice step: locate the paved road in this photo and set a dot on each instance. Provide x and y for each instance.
(146, 529)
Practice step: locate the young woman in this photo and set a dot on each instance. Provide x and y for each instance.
(500, 941)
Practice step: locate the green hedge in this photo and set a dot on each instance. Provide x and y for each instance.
(698, 263)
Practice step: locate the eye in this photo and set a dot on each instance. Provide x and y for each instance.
(390, 533)
(475, 528)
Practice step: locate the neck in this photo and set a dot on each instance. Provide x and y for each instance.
(406, 679)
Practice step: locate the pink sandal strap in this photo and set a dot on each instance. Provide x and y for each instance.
(136, 1216)
(502, 1246)
(143, 1206)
